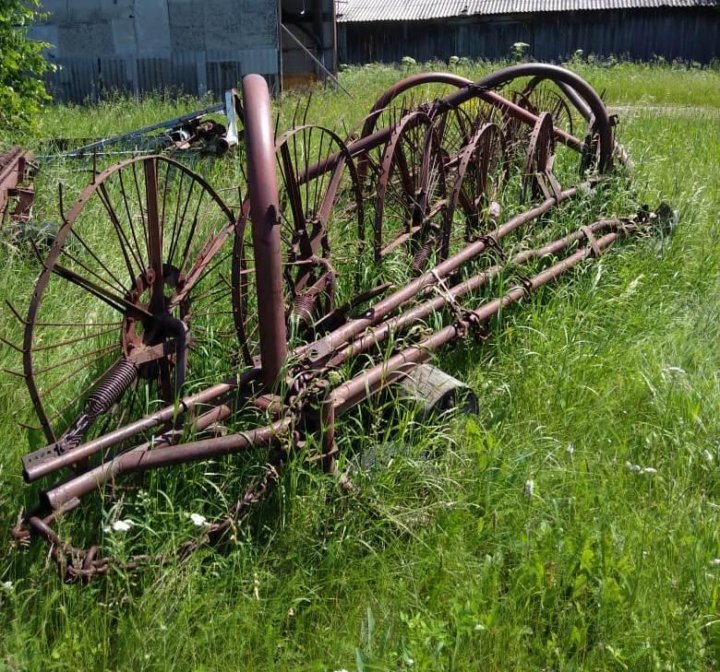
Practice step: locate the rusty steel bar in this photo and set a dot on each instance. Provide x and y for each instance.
(47, 461)
(369, 382)
(263, 437)
(379, 333)
(265, 216)
(335, 339)
(93, 479)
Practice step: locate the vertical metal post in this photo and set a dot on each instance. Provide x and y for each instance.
(264, 213)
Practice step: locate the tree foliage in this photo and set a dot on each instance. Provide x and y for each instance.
(22, 65)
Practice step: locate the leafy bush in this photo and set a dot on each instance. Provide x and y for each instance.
(22, 65)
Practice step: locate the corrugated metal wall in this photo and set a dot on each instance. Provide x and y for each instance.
(691, 34)
(194, 46)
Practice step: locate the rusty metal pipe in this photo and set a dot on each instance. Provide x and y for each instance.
(263, 437)
(373, 380)
(381, 332)
(528, 117)
(335, 339)
(46, 461)
(59, 495)
(265, 216)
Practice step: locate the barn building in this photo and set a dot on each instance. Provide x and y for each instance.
(194, 46)
(388, 30)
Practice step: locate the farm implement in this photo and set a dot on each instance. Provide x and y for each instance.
(17, 170)
(166, 328)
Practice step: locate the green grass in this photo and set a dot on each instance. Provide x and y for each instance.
(602, 391)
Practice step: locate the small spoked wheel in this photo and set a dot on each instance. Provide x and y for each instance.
(481, 175)
(411, 196)
(321, 231)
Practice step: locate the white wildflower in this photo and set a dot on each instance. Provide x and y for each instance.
(122, 525)
(570, 448)
(198, 520)
(708, 455)
(529, 487)
(637, 469)
(342, 669)
(7, 586)
(715, 562)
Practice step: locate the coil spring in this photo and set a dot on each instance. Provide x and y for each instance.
(422, 255)
(111, 387)
(304, 307)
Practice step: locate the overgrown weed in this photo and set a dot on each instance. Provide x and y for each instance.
(572, 525)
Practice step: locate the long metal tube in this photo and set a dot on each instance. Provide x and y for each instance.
(44, 462)
(379, 333)
(132, 461)
(362, 386)
(265, 216)
(335, 339)
(95, 478)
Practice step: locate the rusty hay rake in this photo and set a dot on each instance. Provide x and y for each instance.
(308, 295)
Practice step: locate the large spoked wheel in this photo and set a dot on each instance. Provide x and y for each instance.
(321, 230)
(481, 175)
(140, 265)
(411, 199)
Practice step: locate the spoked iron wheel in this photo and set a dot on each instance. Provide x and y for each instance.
(570, 113)
(140, 263)
(423, 93)
(411, 199)
(481, 175)
(321, 230)
(538, 178)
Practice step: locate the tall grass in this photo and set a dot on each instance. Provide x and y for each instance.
(572, 525)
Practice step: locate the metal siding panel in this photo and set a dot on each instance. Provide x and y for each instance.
(361, 11)
(687, 35)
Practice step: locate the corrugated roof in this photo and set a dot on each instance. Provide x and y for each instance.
(355, 11)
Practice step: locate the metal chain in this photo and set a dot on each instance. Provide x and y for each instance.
(81, 565)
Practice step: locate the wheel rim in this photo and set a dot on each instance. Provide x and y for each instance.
(140, 260)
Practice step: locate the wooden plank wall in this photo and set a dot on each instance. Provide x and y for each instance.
(691, 34)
